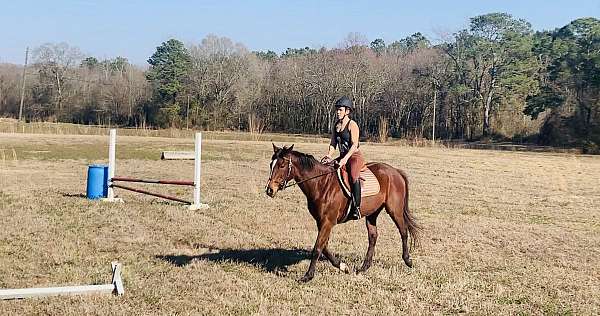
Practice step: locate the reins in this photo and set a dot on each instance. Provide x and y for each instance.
(320, 175)
(298, 182)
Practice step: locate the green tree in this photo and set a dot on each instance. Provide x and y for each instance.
(168, 74)
(168, 70)
(410, 44)
(295, 52)
(571, 76)
(498, 47)
(268, 55)
(378, 46)
(119, 64)
(89, 63)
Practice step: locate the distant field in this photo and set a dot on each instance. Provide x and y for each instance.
(504, 232)
(12, 126)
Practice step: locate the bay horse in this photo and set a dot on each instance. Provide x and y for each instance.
(327, 203)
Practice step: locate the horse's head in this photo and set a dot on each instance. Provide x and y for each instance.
(281, 169)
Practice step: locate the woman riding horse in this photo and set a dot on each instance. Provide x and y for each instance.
(345, 137)
(327, 202)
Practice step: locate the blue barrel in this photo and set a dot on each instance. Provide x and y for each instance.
(97, 181)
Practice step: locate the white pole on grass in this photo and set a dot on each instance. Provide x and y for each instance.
(116, 286)
(197, 164)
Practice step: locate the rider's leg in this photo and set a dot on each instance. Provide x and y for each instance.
(355, 165)
(355, 213)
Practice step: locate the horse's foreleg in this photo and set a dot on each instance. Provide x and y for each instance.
(322, 239)
(371, 222)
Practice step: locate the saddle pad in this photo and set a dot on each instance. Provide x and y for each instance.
(369, 184)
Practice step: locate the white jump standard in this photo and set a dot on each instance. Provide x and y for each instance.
(195, 205)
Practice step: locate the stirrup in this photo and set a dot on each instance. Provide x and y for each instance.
(354, 214)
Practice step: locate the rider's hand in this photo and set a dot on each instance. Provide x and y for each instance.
(325, 160)
(342, 162)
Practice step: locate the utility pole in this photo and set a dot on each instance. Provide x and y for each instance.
(23, 85)
(187, 113)
(434, 103)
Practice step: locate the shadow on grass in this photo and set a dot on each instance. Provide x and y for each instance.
(77, 195)
(271, 260)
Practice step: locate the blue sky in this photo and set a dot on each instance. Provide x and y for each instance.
(133, 29)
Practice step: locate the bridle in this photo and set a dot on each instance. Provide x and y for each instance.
(284, 184)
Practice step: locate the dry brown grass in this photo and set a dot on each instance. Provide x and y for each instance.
(12, 126)
(504, 233)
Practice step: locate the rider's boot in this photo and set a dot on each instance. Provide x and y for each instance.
(355, 211)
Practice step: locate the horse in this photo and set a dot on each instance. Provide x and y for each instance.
(327, 203)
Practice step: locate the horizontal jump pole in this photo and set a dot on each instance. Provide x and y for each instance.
(175, 182)
(164, 196)
(116, 286)
(53, 291)
(177, 155)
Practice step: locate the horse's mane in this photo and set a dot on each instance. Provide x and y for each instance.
(306, 161)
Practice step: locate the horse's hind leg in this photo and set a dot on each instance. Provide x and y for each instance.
(395, 208)
(371, 222)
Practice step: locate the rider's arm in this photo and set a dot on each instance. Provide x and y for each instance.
(332, 145)
(354, 132)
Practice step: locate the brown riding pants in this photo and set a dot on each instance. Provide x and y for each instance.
(355, 164)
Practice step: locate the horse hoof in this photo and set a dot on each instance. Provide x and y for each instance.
(362, 270)
(306, 278)
(408, 262)
(344, 268)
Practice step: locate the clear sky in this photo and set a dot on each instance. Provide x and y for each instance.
(134, 28)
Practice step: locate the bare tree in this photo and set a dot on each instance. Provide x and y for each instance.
(54, 62)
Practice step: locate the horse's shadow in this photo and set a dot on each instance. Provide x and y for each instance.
(271, 260)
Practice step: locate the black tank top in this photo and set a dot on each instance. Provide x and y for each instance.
(344, 140)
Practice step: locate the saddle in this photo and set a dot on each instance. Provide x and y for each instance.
(369, 184)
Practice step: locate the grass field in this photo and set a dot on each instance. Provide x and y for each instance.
(503, 233)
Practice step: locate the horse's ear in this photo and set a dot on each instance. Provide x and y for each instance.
(275, 148)
(291, 147)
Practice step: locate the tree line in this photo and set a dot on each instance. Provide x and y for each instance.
(496, 79)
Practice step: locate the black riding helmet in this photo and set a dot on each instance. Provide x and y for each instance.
(344, 102)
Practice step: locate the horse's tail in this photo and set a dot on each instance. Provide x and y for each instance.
(409, 219)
